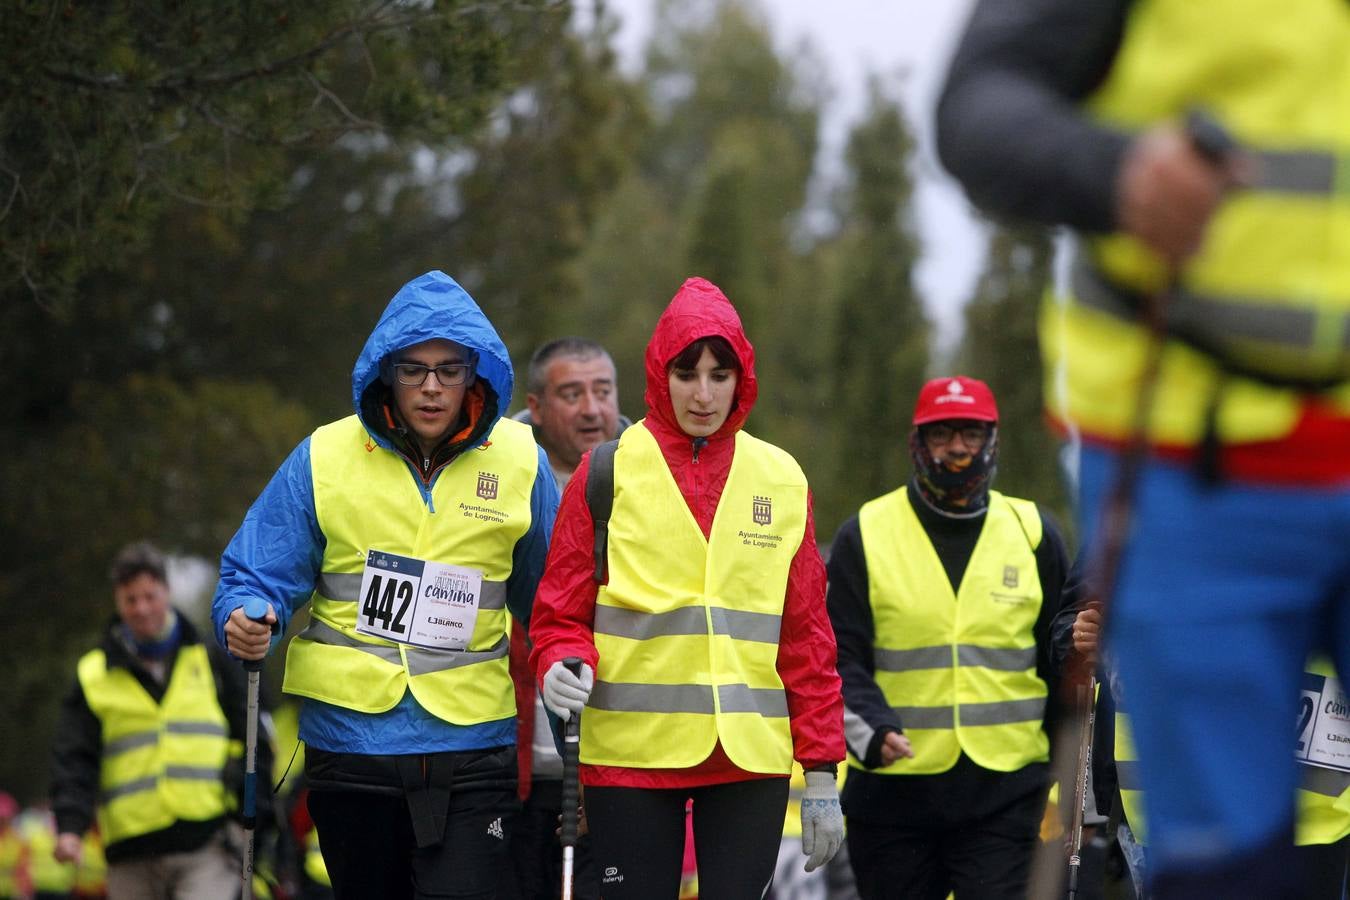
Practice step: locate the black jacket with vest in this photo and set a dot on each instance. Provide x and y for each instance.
(884, 797)
(77, 749)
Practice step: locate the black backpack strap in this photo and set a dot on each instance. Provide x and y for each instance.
(600, 499)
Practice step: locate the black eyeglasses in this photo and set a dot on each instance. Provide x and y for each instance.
(973, 436)
(415, 374)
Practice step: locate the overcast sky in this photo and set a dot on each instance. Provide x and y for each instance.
(910, 40)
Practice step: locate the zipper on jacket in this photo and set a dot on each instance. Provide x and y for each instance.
(699, 444)
(424, 480)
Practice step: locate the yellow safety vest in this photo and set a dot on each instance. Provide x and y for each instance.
(959, 669)
(11, 858)
(1323, 795)
(91, 873)
(687, 628)
(316, 869)
(1127, 778)
(162, 762)
(48, 875)
(366, 498)
(1270, 290)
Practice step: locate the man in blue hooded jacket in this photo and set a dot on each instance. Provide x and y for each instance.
(412, 528)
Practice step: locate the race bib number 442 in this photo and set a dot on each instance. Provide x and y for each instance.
(413, 601)
(1323, 723)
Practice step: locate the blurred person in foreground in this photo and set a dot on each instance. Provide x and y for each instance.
(941, 594)
(1322, 828)
(410, 528)
(573, 406)
(707, 658)
(151, 738)
(1199, 150)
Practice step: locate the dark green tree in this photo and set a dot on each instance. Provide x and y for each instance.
(541, 175)
(1001, 347)
(210, 203)
(124, 459)
(879, 349)
(109, 112)
(722, 172)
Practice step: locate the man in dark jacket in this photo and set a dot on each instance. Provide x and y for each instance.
(151, 735)
(941, 594)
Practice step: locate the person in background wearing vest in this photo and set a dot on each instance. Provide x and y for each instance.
(1322, 829)
(14, 878)
(573, 405)
(411, 528)
(151, 736)
(707, 657)
(941, 594)
(51, 878)
(1199, 149)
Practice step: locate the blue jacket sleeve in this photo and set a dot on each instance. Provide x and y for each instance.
(527, 562)
(277, 551)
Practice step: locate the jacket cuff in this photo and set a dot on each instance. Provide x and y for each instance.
(872, 760)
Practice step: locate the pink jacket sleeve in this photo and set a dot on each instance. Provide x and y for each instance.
(562, 621)
(806, 659)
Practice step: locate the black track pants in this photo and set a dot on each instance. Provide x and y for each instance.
(371, 853)
(980, 859)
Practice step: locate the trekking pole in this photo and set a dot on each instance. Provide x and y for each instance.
(1216, 145)
(571, 789)
(255, 608)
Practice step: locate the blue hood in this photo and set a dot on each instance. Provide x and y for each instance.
(434, 306)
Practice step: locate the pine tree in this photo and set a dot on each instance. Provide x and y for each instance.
(1002, 348)
(880, 343)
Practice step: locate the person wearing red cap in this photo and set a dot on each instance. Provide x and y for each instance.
(941, 594)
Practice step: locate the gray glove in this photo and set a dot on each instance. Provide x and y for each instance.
(565, 693)
(822, 820)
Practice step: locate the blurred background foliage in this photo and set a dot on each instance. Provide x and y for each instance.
(205, 205)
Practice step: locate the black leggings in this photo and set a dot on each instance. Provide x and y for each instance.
(638, 838)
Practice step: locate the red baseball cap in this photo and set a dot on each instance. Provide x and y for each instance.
(955, 397)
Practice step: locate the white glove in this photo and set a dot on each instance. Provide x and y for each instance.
(822, 820)
(565, 693)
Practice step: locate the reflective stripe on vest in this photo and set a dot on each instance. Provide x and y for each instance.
(336, 586)
(370, 499)
(1196, 316)
(687, 629)
(1269, 291)
(958, 668)
(161, 762)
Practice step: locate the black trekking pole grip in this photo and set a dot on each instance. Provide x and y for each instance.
(571, 789)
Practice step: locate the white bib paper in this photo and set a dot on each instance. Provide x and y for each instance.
(1323, 723)
(418, 602)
